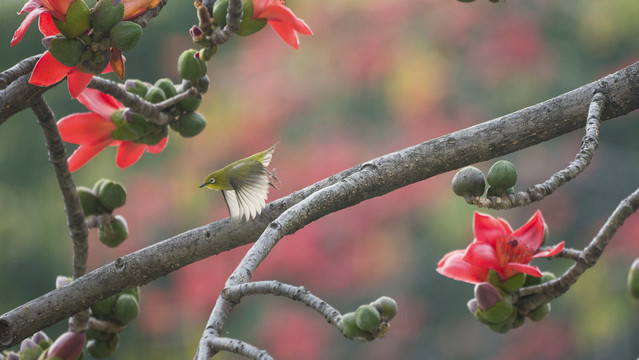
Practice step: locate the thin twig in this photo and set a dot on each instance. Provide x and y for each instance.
(233, 21)
(22, 68)
(75, 214)
(533, 296)
(98, 220)
(143, 19)
(240, 347)
(589, 144)
(191, 92)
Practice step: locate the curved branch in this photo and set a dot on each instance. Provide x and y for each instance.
(241, 348)
(24, 67)
(509, 133)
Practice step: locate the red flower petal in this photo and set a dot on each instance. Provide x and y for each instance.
(284, 22)
(57, 8)
(550, 252)
(46, 25)
(129, 153)
(78, 81)
(482, 255)
(513, 268)
(531, 233)
(133, 8)
(48, 71)
(17, 36)
(453, 266)
(85, 153)
(99, 102)
(487, 229)
(85, 129)
(157, 148)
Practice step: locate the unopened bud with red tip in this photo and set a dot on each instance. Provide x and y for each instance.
(196, 33)
(487, 295)
(68, 346)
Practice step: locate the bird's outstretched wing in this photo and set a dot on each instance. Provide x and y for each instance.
(249, 193)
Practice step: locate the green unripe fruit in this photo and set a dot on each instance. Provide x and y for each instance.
(469, 181)
(386, 306)
(136, 87)
(513, 283)
(155, 136)
(90, 203)
(104, 15)
(125, 35)
(111, 195)
(190, 124)
(104, 308)
(97, 63)
(98, 184)
(126, 308)
(501, 328)
(103, 348)
(77, 20)
(547, 276)
(248, 26)
(190, 67)
(499, 313)
(502, 175)
(66, 51)
(349, 327)
(167, 86)
(540, 312)
(367, 318)
(114, 233)
(155, 95)
(190, 105)
(135, 291)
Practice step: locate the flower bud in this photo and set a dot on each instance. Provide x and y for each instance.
(13, 356)
(114, 233)
(90, 203)
(67, 346)
(155, 95)
(104, 308)
(136, 87)
(502, 175)
(196, 33)
(367, 318)
(500, 312)
(46, 41)
(77, 20)
(61, 281)
(206, 53)
(540, 312)
(248, 25)
(469, 181)
(472, 306)
(633, 279)
(386, 306)
(125, 35)
(27, 344)
(167, 86)
(106, 13)
(101, 348)
(190, 105)
(547, 276)
(66, 51)
(190, 124)
(126, 308)
(190, 67)
(112, 195)
(39, 337)
(514, 282)
(487, 295)
(97, 63)
(350, 329)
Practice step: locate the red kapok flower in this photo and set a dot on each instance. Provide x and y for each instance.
(92, 131)
(496, 246)
(281, 19)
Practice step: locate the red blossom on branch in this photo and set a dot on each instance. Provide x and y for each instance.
(92, 131)
(281, 19)
(496, 246)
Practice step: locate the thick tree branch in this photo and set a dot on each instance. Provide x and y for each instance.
(509, 133)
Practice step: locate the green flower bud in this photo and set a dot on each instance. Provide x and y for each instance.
(41, 339)
(540, 312)
(487, 295)
(95, 334)
(103, 348)
(90, 203)
(386, 306)
(469, 181)
(207, 53)
(97, 63)
(104, 308)
(104, 15)
(547, 276)
(248, 26)
(66, 51)
(501, 328)
(77, 20)
(155, 136)
(155, 95)
(136, 87)
(367, 318)
(190, 67)
(519, 321)
(112, 195)
(633, 279)
(349, 327)
(190, 124)
(190, 105)
(500, 312)
(125, 35)
(68, 346)
(502, 175)
(98, 184)
(114, 233)
(135, 291)
(514, 282)
(126, 308)
(167, 86)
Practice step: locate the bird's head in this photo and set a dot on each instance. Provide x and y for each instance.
(213, 181)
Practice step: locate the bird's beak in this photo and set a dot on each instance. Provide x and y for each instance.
(203, 185)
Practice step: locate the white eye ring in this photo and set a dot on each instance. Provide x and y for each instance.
(212, 181)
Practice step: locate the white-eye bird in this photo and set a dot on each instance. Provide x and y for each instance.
(244, 184)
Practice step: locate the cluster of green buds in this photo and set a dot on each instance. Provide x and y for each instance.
(493, 305)
(68, 346)
(187, 122)
(106, 196)
(369, 321)
(119, 309)
(501, 178)
(90, 38)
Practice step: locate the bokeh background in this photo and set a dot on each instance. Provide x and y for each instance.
(376, 77)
